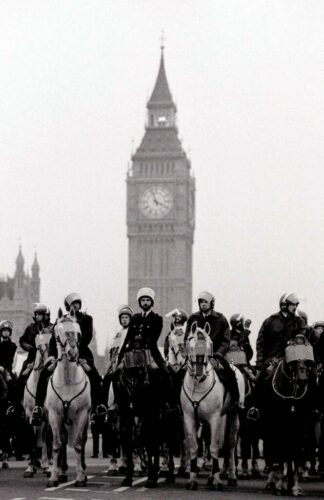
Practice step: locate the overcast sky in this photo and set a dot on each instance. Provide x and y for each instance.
(247, 77)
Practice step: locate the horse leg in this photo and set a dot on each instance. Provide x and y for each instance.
(80, 434)
(190, 429)
(296, 489)
(31, 468)
(231, 441)
(214, 480)
(56, 425)
(126, 424)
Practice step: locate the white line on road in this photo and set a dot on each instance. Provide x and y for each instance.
(138, 481)
(63, 485)
(19, 498)
(55, 498)
(79, 489)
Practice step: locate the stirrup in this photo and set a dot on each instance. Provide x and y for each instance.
(253, 414)
(101, 410)
(11, 410)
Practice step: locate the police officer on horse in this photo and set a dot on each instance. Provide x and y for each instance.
(272, 340)
(73, 301)
(220, 336)
(7, 354)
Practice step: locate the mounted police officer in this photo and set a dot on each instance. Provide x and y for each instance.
(144, 331)
(272, 340)
(42, 321)
(125, 314)
(220, 336)
(72, 301)
(7, 354)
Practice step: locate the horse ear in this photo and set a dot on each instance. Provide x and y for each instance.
(207, 328)
(60, 313)
(72, 312)
(194, 327)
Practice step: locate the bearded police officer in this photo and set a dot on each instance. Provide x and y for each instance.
(145, 329)
(220, 336)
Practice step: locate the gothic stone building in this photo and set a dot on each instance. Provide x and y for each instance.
(18, 294)
(161, 207)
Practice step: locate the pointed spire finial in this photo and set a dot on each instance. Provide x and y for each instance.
(162, 40)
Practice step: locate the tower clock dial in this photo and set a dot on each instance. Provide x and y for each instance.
(156, 202)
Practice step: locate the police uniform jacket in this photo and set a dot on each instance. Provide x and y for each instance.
(86, 326)
(274, 334)
(219, 329)
(150, 328)
(7, 354)
(243, 341)
(27, 341)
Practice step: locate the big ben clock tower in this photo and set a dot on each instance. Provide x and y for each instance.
(161, 207)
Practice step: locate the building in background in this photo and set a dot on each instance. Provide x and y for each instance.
(18, 294)
(161, 207)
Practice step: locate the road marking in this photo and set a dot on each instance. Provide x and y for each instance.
(63, 485)
(55, 498)
(19, 498)
(73, 489)
(138, 481)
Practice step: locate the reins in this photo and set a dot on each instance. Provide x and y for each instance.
(293, 396)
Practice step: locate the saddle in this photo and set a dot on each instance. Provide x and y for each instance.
(137, 358)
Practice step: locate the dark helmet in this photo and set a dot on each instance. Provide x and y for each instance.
(6, 325)
(181, 315)
(237, 321)
(318, 324)
(303, 316)
(69, 299)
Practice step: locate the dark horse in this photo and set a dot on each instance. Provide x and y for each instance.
(287, 414)
(138, 389)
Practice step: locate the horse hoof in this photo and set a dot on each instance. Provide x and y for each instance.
(151, 483)
(122, 469)
(210, 483)
(62, 478)
(48, 473)
(192, 486)
(52, 484)
(5, 465)
(80, 484)
(28, 474)
(112, 473)
(182, 473)
(223, 475)
(255, 473)
(245, 476)
(170, 478)
(232, 482)
(127, 481)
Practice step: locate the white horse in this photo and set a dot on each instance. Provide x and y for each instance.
(68, 400)
(38, 433)
(203, 398)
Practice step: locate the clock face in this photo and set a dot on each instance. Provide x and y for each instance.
(156, 202)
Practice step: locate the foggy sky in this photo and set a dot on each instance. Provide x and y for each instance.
(247, 77)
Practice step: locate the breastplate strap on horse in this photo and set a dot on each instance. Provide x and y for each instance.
(66, 404)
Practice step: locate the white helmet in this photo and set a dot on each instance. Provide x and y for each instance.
(146, 292)
(69, 299)
(209, 297)
(125, 309)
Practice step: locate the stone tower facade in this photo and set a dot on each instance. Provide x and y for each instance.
(161, 207)
(18, 294)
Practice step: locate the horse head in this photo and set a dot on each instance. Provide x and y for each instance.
(42, 341)
(67, 332)
(200, 350)
(299, 359)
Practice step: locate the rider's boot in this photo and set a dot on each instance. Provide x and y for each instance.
(37, 416)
